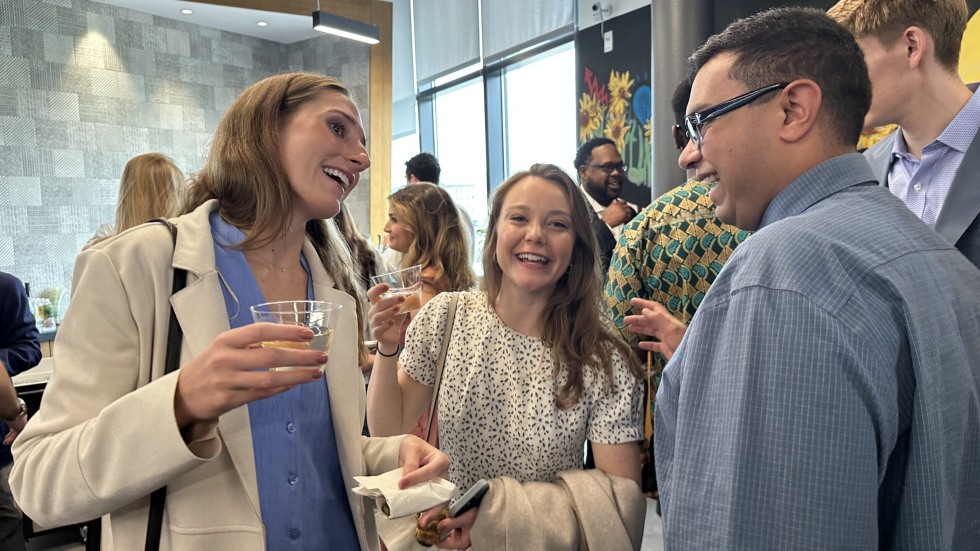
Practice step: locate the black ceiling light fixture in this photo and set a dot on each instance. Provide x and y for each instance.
(342, 26)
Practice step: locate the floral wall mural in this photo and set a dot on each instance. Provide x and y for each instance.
(614, 95)
(619, 109)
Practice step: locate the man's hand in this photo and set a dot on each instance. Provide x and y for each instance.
(655, 321)
(15, 426)
(618, 212)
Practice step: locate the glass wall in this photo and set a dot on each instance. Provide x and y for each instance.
(461, 146)
(539, 111)
(498, 121)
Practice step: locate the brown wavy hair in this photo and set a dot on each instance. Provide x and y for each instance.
(368, 261)
(441, 242)
(574, 326)
(244, 173)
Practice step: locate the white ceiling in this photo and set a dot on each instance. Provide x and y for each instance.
(283, 27)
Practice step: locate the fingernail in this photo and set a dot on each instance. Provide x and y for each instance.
(323, 358)
(307, 334)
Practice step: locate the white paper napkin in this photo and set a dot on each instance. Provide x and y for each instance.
(401, 503)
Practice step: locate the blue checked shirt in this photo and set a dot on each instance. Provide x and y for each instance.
(827, 393)
(923, 184)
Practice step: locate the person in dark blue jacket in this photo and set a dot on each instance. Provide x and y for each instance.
(19, 351)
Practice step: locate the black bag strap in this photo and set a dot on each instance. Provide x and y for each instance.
(175, 335)
(154, 524)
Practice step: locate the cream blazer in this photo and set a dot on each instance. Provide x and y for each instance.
(105, 436)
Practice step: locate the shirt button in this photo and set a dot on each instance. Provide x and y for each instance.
(917, 186)
(293, 479)
(290, 428)
(294, 534)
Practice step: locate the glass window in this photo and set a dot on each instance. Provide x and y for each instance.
(539, 111)
(461, 147)
(402, 149)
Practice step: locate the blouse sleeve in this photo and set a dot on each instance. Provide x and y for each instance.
(423, 339)
(617, 416)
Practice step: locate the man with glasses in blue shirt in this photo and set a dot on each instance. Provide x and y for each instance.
(602, 176)
(827, 392)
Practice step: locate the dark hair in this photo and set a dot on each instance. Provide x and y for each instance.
(574, 325)
(786, 44)
(584, 154)
(679, 100)
(424, 166)
(367, 260)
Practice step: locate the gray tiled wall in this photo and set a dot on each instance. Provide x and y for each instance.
(85, 86)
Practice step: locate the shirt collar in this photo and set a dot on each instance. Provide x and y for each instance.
(814, 185)
(225, 233)
(958, 134)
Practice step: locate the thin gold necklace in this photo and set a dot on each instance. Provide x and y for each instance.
(271, 263)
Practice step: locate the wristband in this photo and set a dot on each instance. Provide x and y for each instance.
(398, 349)
(21, 413)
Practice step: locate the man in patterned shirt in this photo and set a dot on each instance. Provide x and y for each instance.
(665, 260)
(669, 254)
(827, 393)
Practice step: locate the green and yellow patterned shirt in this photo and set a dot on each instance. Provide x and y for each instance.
(670, 252)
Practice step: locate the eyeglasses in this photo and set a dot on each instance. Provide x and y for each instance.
(680, 136)
(609, 167)
(695, 121)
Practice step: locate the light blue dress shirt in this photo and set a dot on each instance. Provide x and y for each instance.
(827, 392)
(302, 493)
(923, 184)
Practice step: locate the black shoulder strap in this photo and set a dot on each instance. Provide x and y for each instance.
(154, 523)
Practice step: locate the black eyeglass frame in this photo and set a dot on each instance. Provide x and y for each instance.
(608, 168)
(695, 121)
(680, 136)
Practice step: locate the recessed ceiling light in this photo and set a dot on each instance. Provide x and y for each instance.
(186, 11)
(262, 24)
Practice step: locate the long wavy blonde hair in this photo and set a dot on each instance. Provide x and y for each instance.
(440, 240)
(574, 326)
(244, 172)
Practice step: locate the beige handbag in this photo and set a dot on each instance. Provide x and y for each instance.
(399, 534)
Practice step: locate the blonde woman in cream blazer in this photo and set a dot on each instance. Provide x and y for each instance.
(108, 433)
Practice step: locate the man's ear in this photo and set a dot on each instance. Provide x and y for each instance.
(801, 102)
(916, 42)
(581, 172)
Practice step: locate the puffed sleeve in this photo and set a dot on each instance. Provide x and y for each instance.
(424, 338)
(617, 416)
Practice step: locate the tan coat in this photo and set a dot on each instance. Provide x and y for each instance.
(581, 510)
(104, 438)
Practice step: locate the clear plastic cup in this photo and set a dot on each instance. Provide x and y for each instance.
(406, 283)
(317, 315)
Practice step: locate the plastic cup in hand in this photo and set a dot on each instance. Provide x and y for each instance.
(317, 315)
(404, 283)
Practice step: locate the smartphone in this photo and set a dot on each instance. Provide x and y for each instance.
(470, 499)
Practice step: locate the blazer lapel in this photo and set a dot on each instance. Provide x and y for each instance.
(200, 308)
(342, 374)
(962, 204)
(880, 157)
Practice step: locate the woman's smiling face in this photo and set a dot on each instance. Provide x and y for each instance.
(535, 238)
(323, 153)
